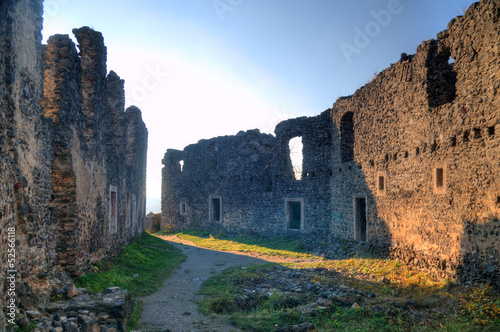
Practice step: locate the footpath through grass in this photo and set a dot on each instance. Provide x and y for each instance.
(356, 294)
(141, 268)
(284, 247)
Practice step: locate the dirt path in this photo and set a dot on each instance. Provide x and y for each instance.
(174, 307)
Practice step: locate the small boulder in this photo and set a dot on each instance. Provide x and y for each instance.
(72, 291)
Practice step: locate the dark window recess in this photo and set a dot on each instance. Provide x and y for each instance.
(387, 157)
(491, 131)
(395, 157)
(434, 146)
(372, 163)
(439, 177)
(347, 137)
(465, 137)
(453, 141)
(360, 218)
(477, 133)
(381, 183)
(441, 78)
(183, 208)
(295, 210)
(417, 151)
(406, 154)
(215, 209)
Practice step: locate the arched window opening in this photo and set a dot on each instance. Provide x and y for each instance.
(181, 164)
(347, 137)
(295, 146)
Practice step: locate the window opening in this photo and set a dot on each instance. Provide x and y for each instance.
(113, 209)
(127, 211)
(183, 208)
(465, 138)
(477, 133)
(181, 164)
(491, 131)
(295, 146)
(453, 141)
(347, 137)
(439, 177)
(381, 183)
(295, 213)
(360, 223)
(215, 209)
(134, 212)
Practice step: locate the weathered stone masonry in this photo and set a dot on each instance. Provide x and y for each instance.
(408, 164)
(246, 183)
(73, 162)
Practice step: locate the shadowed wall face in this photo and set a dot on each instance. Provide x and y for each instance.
(64, 175)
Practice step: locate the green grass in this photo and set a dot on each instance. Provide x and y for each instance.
(283, 247)
(149, 258)
(141, 268)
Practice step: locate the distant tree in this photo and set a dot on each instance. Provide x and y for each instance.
(156, 222)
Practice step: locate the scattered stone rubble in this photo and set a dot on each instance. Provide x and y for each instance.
(315, 290)
(81, 311)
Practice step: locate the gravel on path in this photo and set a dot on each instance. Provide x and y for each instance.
(174, 306)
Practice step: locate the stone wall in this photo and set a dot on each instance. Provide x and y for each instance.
(67, 150)
(408, 164)
(426, 152)
(249, 178)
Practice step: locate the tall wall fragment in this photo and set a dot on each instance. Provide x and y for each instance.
(69, 196)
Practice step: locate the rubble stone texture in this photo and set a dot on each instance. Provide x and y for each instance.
(73, 161)
(409, 163)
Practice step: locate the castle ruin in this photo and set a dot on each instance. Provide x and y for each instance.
(73, 161)
(408, 164)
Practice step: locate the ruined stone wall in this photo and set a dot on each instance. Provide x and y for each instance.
(95, 141)
(421, 148)
(408, 164)
(249, 176)
(64, 137)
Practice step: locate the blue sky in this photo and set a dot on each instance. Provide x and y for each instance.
(204, 68)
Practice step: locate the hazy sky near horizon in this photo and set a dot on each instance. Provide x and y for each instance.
(205, 68)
